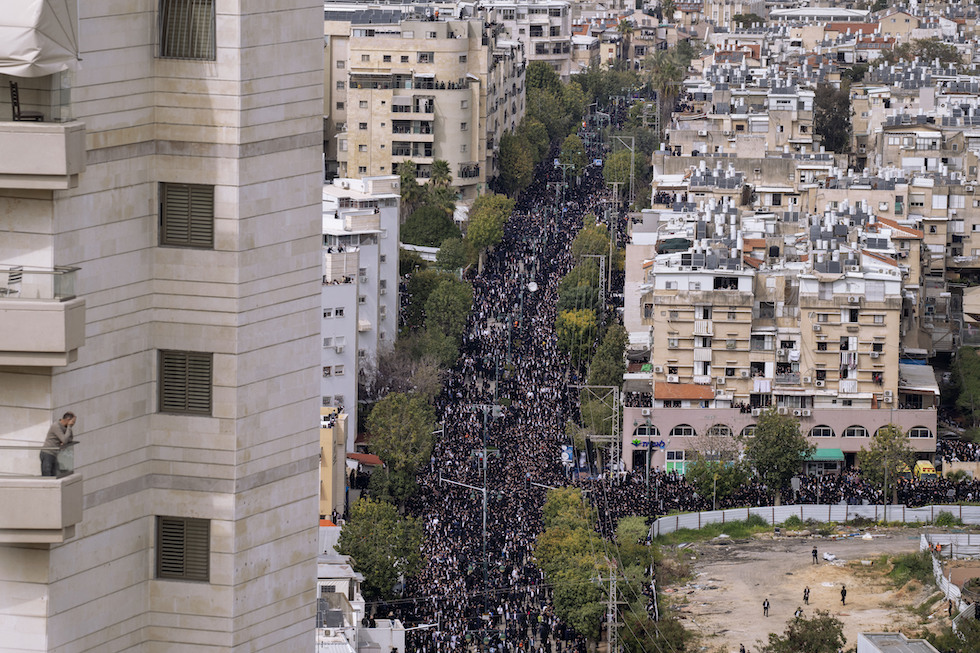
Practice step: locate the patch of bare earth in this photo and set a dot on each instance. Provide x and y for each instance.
(732, 579)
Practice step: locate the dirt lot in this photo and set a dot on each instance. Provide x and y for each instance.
(724, 601)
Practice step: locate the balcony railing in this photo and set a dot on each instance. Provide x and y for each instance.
(38, 509)
(42, 322)
(788, 378)
(41, 155)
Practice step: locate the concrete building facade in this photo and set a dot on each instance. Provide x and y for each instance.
(160, 256)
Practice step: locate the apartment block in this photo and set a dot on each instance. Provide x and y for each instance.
(408, 90)
(159, 275)
(544, 28)
(359, 293)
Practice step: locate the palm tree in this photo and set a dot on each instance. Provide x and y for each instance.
(412, 193)
(625, 29)
(441, 175)
(667, 8)
(665, 76)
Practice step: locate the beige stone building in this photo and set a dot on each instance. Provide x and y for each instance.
(159, 276)
(406, 91)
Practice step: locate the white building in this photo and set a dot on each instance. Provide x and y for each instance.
(159, 265)
(359, 295)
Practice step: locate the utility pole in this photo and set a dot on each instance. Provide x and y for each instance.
(602, 277)
(632, 148)
(612, 610)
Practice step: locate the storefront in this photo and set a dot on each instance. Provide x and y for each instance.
(824, 461)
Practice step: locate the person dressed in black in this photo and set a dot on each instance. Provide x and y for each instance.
(765, 608)
(843, 595)
(814, 554)
(806, 595)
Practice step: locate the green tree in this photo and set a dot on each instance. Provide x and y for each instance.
(667, 9)
(536, 135)
(822, 633)
(541, 75)
(410, 262)
(452, 254)
(747, 20)
(665, 73)
(832, 117)
(777, 450)
(400, 428)
(516, 163)
(543, 106)
(579, 297)
(440, 346)
(616, 167)
(889, 451)
(448, 306)
(486, 223)
(608, 364)
(573, 152)
(585, 273)
(966, 639)
(573, 103)
(383, 546)
(419, 286)
(412, 193)
(428, 226)
(924, 49)
(441, 175)
(591, 240)
(625, 30)
(716, 478)
(576, 331)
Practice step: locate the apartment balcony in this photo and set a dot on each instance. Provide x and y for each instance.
(42, 322)
(41, 155)
(788, 378)
(38, 509)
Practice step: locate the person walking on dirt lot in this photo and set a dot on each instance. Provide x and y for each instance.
(765, 608)
(843, 594)
(814, 554)
(741, 648)
(806, 595)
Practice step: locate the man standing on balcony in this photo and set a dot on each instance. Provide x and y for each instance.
(59, 436)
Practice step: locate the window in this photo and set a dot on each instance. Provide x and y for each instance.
(340, 106)
(362, 104)
(878, 346)
(879, 319)
(919, 432)
(187, 29)
(365, 58)
(327, 342)
(464, 104)
(404, 58)
(729, 371)
(384, 257)
(462, 58)
(682, 430)
(361, 299)
(341, 85)
(327, 312)
(341, 64)
(183, 548)
(362, 125)
(185, 382)
(462, 148)
(339, 311)
(855, 432)
(821, 346)
(327, 371)
(463, 126)
(338, 370)
(672, 343)
(187, 215)
(362, 148)
(386, 58)
(822, 432)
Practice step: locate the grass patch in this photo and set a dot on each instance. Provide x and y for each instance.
(734, 529)
(911, 566)
(926, 608)
(794, 523)
(947, 519)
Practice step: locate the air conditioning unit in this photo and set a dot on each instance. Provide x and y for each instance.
(969, 189)
(781, 353)
(745, 374)
(853, 299)
(888, 400)
(888, 394)
(816, 327)
(339, 349)
(797, 412)
(807, 380)
(819, 383)
(782, 410)
(672, 378)
(720, 380)
(853, 268)
(645, 412)
(702, 132)
(806, 412)
(719, 392)
(756, 412)
(383, 291)
(659, 369)
(875, 354)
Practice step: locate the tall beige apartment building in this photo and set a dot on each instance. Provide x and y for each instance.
(406, 90)
(160, 277)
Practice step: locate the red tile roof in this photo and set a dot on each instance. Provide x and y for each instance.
(903, 231)
(682, 391)
(366, 459)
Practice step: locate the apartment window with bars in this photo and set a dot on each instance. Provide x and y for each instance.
(187, 215)
(185, 382)
(187, 29)
(183, 548)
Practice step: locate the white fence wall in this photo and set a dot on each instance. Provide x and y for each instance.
(817, 512)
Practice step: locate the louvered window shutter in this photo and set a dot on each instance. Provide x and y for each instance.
(183, 548)
(185, 382)
(187, 29)
(187, 215)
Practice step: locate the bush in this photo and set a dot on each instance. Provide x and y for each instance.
(946, 519)
(793, 522)
(912, 566)
(755, 521)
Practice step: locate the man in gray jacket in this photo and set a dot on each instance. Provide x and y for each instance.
(58, 437)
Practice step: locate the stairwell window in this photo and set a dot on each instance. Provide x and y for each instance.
(183, 548)
(187, 215)
(185, 382)
(187, 29)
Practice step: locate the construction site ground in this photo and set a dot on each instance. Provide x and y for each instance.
(731, 578)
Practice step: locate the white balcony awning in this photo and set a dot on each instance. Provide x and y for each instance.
(38, 37)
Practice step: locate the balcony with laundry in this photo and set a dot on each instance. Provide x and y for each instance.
(43, 145)
(42, 322)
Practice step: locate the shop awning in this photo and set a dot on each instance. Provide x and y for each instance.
(827, 455)
(38, 37)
